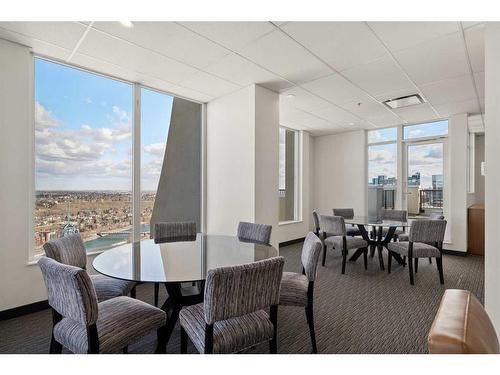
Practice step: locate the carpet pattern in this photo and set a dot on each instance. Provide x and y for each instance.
(359, 312)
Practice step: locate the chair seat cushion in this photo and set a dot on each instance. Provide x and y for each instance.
(293, 289)
(231, 335)
(420, 249)
(121, 321)
(352, 231)
(352, 242)
(404, 237)
(107, 287)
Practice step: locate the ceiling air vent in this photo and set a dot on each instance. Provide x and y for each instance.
(404, 101)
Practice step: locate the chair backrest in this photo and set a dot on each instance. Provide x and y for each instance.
(346, 213)
(254, 232)
(310, 255)
(316, 220)
(398, 215)
(70, 291)
(239, 290)
(68, 250)
(462, 326)
(175, 231)
(436, 216)
(332, 225)
(427, 231)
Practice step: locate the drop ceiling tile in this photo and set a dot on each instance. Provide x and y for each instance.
(401, 35)
(474, 37)
(479, 78)
(367, 108)
(337, 115)
(209, 84)
(61, 34)
(283, 56)
(379, 76)
(449, 90)
(122, 53)
(448, 109)
(233, 35)
(333, 42)
(396, 94)
(436, 60)
(417, 113)
(335, 89)
(236, 69)
(169, 39)
(384, 120)
(302, 99)
(297, 118)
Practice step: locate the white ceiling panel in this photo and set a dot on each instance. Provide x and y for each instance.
(119, 52)
(367, 108)
(416, 113)
(337, 115)
(283, 56)
(168, 38)
(295, 118)
(401, 35)
(457, 89)
(448, 109)
(379, 76)
(479, 78)
(233, 35)
(384, 120)
(302, 99)
(474, 37)
(239, 70)
(336, 89)
(209, 84)
(333, 42)
(436, 60)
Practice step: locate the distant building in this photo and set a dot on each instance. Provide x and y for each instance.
(381, 180)
(437, 181)
(414, 180)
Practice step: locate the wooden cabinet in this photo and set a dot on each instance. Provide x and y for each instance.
(475, 229)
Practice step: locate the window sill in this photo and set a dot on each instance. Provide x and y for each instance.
(290, 222)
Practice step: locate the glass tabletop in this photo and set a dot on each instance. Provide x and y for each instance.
(147, 261)
(378, 222)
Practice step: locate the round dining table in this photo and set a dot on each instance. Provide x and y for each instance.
(175, 262)
(376, 238)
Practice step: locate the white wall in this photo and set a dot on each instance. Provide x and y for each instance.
(492, 178)
(340, 172)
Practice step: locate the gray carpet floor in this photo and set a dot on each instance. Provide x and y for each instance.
(359, 312)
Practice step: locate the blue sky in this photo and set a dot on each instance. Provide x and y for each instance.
(83, 131)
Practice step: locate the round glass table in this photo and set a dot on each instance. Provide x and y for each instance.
(173, 263)
(377, 240)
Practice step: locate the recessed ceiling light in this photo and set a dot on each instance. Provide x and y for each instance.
(126, 23)
(404, 101)
(290, 96)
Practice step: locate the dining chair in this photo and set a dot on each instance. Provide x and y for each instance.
(173, 231)
(84, 325)
(260, 233)
(316, 222)
(333, 232)
(396, 215)
(298, 289)
(425, 241)
(232, 317)
(70, 250)
(347, 213)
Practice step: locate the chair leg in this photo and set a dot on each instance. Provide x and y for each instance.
(389, 262)
(184, 339)
(324, 256)
(372, 251)
(365, 258)
(310, 322)
(404, 262)
(410, 268)
(55, 347)
(416, 265)
(162, 340)
(273, 343)
(439, 262)
(157, 290)
(430, 260)
(125, 350)
(344, 259)
(380, 257)
(133, 292)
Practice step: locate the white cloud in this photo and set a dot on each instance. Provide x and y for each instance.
(44, 118)
(88, 100)
(157, 149)
(121, 114)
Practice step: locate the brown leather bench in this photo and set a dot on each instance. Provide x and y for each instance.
(462, 326)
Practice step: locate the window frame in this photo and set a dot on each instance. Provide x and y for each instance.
(136, 153)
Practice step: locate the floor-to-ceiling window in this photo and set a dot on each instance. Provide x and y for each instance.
(288, 175)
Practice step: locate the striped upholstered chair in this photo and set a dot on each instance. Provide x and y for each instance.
(232, 317)
(173, 231)
(70, 250)
(432, 216)
(397, 215)
(316, 222)
(83, 325)
(347, 213)
(333, 233)
(298, 289)
(260, 233)
(425, 241)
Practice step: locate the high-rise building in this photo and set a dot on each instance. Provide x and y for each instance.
(414, 179)
(437, 181)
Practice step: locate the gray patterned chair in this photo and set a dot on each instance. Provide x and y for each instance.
(84, 325)
(232, 317)
(70, 250)
(397, 215)
(347, 213)
(432, 216)
(423, 233)
(174, 231)
(316, 222)
(298, 289)
(333, 233)
(260, 233)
